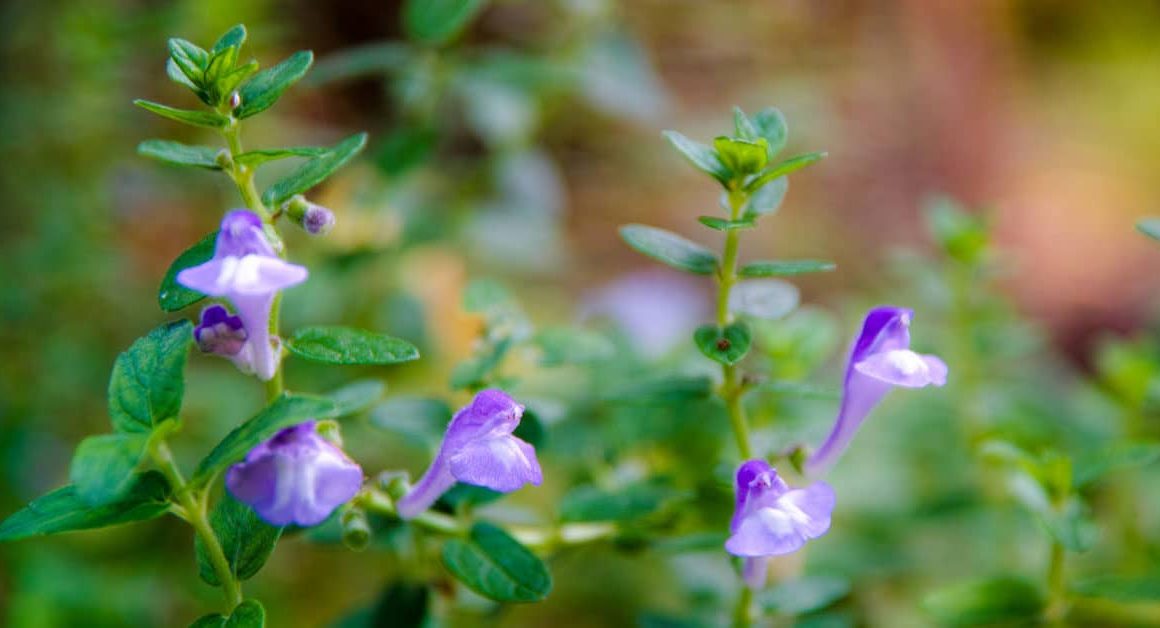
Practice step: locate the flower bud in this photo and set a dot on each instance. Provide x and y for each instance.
(356, 528)
(314, 219)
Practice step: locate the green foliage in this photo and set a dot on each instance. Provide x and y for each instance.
(103, 467)
(180, 154)
(785, 268)
(793, 164)
(963, 236)
(344, 345)
(1092, 466)
(285, 411)
(173, 296)
(727, 345)
(314, 171)
(357, 396)
(206, 119)
(437, 22)
(590, 503)
(670, 249)
(701, 156)
(63, 510)
(259, 157)
(740, 156)
(565, 345)
(764, 298)
(248, 614)
(1120, 588)
(1001, 600)
(766, 199)
(496, 566)
(246, 540)
(804, 595)
(721, 224)
(418, 420)
(148, 383)
(266, 87)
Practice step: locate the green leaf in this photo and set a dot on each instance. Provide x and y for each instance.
(180, 154)
(1093, 465)
(726, 346)
(765, 200)
(212, 620)
(721, 224)
(417, 420)
(785, 268)
(986, 602)
(1149, 227)
(196, 118)
(473, 372)
(801, 390)
(189, 58)
(804, 595)
(262, 91)
(233, 38)
(764, 298)
(669, 248)
(437, 22)
(314, 171)
(401, 605)
(566, 345)
(177, 75)
(702, 157)
(740, 156)
(359, 61)
(345, 345)
(496, 566)
(406, 148)
(103, 466)
(770, 124)
(148, 378)
(487, 296)
(589, 503)
(63, 510)
(744, 127)
(677, 389)
(792, 164)
(259, 157)
(246, 540)
(961, 234)
(248, 614)
(1120, 588)
(173, 296)
(227, 84)
(285, 411)
(357, 396)
(1072, 526)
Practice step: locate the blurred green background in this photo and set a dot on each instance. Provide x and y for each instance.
(515, 153)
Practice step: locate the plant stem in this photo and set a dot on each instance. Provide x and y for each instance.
(193, 510)
(741, 612)
(1056, 585)
(731, 388)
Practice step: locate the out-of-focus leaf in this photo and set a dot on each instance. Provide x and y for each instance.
(726, 345)
(406, 148)
(148, 382)
(261, 92)
(314, 171)
(804, 595)
(1149, 227)
(1071, 526)
(1120, 588)
(721, 224)
(173, 296)
(765, 200)
(589, 503)
(764, 298)
(345, 345)
(437, 22)
(771, 125)
(496, 566)
(663, 390)
(744, 127)
(419, 420)
(785, 268)
(358, 61)
(793, 164)
(180, 154)
(63, 510)
(566, 345)
(246, 540)
(207, 119)
(701, 156)
(670, 249)
(995, 601)
(357, 396)
(1093, 465)
(102, 468)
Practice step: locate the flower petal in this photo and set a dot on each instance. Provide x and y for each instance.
(903, 367)
(502, 464)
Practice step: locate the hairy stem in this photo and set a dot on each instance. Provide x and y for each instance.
(193, 510)
(731, 387)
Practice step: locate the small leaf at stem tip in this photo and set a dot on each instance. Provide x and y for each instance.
(721, 224)
(63, 510)
(744, 127)
(266, 87)
(233, 38)
(771, 125)
(792, 164)
(180, 154)
(701, 156)
(669, 248)
(207, 119)
(346, 345)
(173, 296)
(496, 566)
(742, 157)
(1150, 227)
(785, 268)
(726, 345)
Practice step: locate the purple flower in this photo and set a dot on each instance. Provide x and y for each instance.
(880, 360)
(479, 449)
(221, 333)
(318, 220)
(246, 270)
(772, 519)
(295, 477)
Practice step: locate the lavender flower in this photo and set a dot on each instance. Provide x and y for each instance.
(295, 477)
(479, 449)
(318, 220)
(246, 270)
(879, 360)
(221, 333)
(772, 519)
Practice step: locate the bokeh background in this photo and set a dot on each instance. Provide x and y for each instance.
(515, 154)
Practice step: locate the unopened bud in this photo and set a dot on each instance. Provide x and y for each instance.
(235, 100)
(394, 483)
(356, 528)
(223, 159)
(314, 219)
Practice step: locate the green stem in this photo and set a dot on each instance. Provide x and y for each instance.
(731, 388)
(742, 613)
(193, 510)
(1056, 585)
